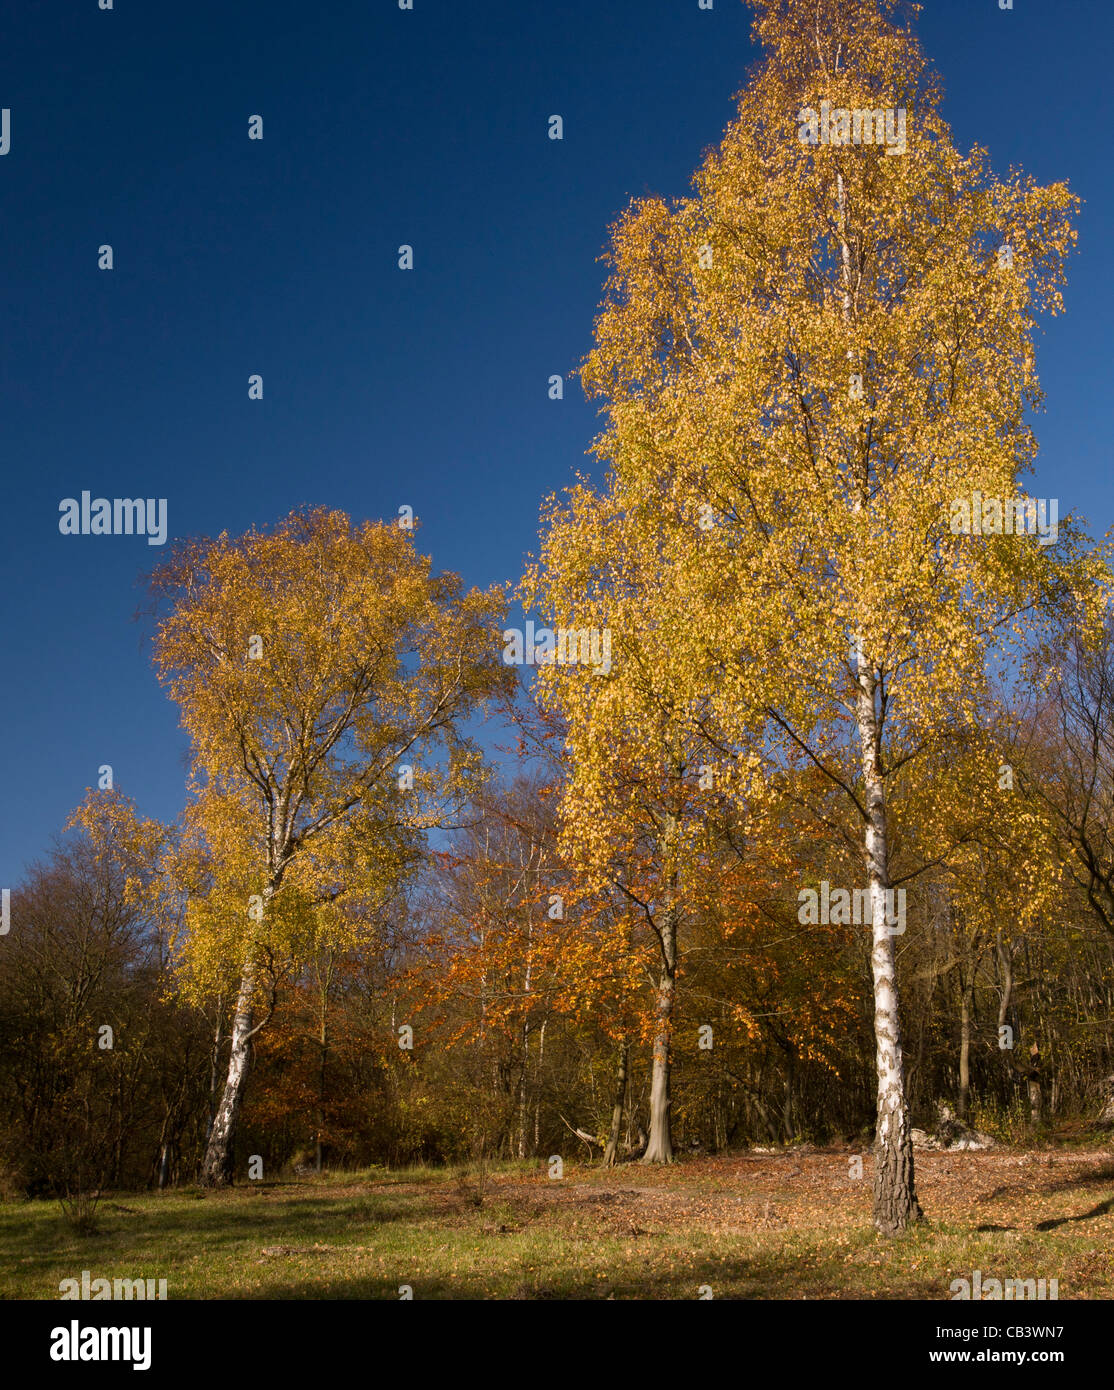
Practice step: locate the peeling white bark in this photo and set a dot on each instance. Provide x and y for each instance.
(895, 1198)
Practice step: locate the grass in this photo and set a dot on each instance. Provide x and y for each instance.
(788, 1225)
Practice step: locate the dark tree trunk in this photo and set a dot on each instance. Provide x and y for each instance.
(214, 1066)
(324, 1046)
(1036, 1098)
(966, 1000)
(612, 1148)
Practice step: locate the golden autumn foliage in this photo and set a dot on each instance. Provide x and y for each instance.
(310, 664)
(833, 662)
(809, 368)
(320, 669)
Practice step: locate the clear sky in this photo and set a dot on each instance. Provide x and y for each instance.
(381, 388)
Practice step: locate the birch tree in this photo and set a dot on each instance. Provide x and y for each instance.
(321, 670)
(822, 364)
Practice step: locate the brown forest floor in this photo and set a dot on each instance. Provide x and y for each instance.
(784, 1225)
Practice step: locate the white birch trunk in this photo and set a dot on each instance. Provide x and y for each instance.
(216, 1169)
(895, 1198)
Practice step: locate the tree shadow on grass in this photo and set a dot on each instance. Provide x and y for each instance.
(38, 1248)
(1053, 1223)
(217, 1228)
(1103, 1209)
(1102, 1176)
(744, 1279)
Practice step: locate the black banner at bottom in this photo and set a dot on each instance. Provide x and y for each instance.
(206, 1339)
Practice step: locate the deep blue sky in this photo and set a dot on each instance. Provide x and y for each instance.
(381, 387)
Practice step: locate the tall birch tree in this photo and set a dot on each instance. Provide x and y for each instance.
(819, 369)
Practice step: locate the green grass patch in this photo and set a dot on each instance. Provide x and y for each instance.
(743, 1227)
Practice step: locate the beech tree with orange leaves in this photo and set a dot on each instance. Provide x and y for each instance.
(646, 762)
